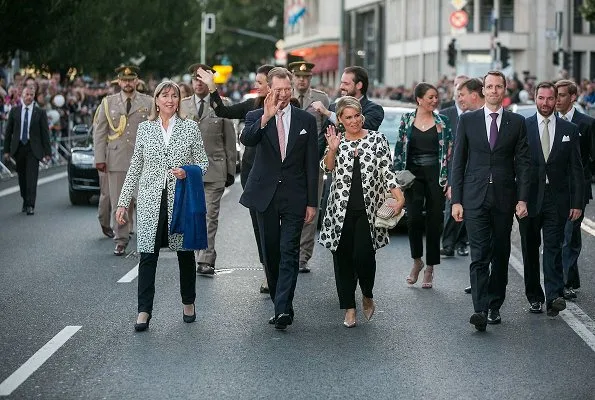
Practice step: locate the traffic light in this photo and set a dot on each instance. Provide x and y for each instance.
(504, 56)
(566, 61)
(556, 58)
(452, 53)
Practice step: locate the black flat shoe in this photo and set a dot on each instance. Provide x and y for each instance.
(494, 317)
(468, 290)
(480, 321)
(142, 326)
(282, 321)
(536, 307)
(189, 318)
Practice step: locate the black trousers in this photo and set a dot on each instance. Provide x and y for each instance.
(246, 167)
(148, 266)
(354, 259)
(28, 171)
(571, 250)
(489, 230)
(550, 223)
(280, 232)
(454, 234)
(425, 190)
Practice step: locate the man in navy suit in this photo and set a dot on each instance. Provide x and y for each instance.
(490, 182)
(28, 141)
(571, 249)
(556, 195)
(282, 187)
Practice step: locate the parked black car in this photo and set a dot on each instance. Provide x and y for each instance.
(83, 178)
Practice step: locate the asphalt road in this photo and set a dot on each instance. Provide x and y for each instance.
(58, 271)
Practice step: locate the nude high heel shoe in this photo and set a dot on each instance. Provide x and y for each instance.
(414, 274)
(427, 283)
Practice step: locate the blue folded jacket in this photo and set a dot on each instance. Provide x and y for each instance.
(189, 216)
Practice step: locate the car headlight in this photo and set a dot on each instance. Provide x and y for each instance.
(83, 158)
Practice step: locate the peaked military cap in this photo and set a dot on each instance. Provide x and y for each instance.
(301, 68)
(127, 72)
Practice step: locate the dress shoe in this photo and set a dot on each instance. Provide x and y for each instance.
(480, 321)
(189, 318)
(24, 209)
(447, 252)
(468, 290)
(205, 269)
(558, 304)
(282, 320)
(369, 307)
(264, 287)
(494, 317)
(569, 294)
(107, 231)
(142, 326)
(463, 251)
(536, 307)
(304, 269)
(120, 250)
(30, 210)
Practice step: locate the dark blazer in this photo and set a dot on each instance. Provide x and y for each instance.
(474, 162)
(586, 129)
(298, 172)
(39, 132)
(563, 166)
(373, 112)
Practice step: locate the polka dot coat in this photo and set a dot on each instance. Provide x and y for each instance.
(377, 178)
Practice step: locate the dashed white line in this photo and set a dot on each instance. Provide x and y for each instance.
(130, 276)
(588, 226)
(32, 364)
(46, 179)
(574, 316)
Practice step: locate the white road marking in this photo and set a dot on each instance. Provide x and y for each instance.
(130, 276)
(46, 179)
(588, 226)
(32, 364)
(574, 316)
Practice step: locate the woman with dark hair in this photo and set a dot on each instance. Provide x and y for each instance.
(165, 143)
(239, 111)
(423, 147)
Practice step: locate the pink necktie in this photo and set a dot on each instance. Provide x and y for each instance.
(281, 133)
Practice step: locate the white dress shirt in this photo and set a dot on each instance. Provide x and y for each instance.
(28, 122)
(166, 138)
(488, 119)
(286, 121)
(568, 115)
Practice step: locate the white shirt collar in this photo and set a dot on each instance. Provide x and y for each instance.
(487, 112)
(569, 115)
(170, 128)
(541, 118)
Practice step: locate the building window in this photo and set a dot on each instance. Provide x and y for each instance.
(578, 17)
(469, 9)
(592, 64)
(486, 8)
(577, 58)
(506, 18)
(506, 15)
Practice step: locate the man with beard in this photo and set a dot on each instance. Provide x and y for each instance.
(555, 196)
(114, 139)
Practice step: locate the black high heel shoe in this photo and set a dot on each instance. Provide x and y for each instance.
(142, 326)
(189, 318)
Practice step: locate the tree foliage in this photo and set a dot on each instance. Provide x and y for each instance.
(587, 9)
(96, 36)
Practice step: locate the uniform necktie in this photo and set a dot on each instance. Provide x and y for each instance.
(281, 133)
(25, 132)
(128, 105)
(493, 130)
(301, 98)
(545, 139)
(201, 108)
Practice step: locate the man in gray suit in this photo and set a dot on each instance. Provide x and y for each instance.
(219, 138)
(306, 95)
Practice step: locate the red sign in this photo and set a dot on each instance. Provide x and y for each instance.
(459, 19)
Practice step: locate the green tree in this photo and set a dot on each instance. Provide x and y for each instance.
(588, 10)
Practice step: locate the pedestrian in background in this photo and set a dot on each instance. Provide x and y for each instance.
(27, 139)
(239, 111)
(360, 163)
(423, 147)
(165, 143)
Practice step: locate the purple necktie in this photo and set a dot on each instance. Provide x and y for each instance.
(493, 130)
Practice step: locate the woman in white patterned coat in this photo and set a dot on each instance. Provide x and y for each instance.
(360, 162)
(164, 143)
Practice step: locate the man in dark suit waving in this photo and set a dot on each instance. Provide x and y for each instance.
(571, 250)
(489, 177)
(556, 195)
(282, 187)
(28, 141)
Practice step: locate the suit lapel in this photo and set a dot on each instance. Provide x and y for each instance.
(482, 123)
(558, 134)
(535, 140)
(503, 128)
(293, 131)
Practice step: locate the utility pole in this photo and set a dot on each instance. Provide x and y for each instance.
(207, 25)
(341, 61)
(439, 39)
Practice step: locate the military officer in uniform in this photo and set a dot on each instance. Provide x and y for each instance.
(219, 138)
(302, 72)
(114, 139)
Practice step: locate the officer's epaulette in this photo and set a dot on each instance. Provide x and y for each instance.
(318, 91)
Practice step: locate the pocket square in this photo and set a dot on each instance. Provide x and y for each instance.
(566, 138)
(303, 132)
